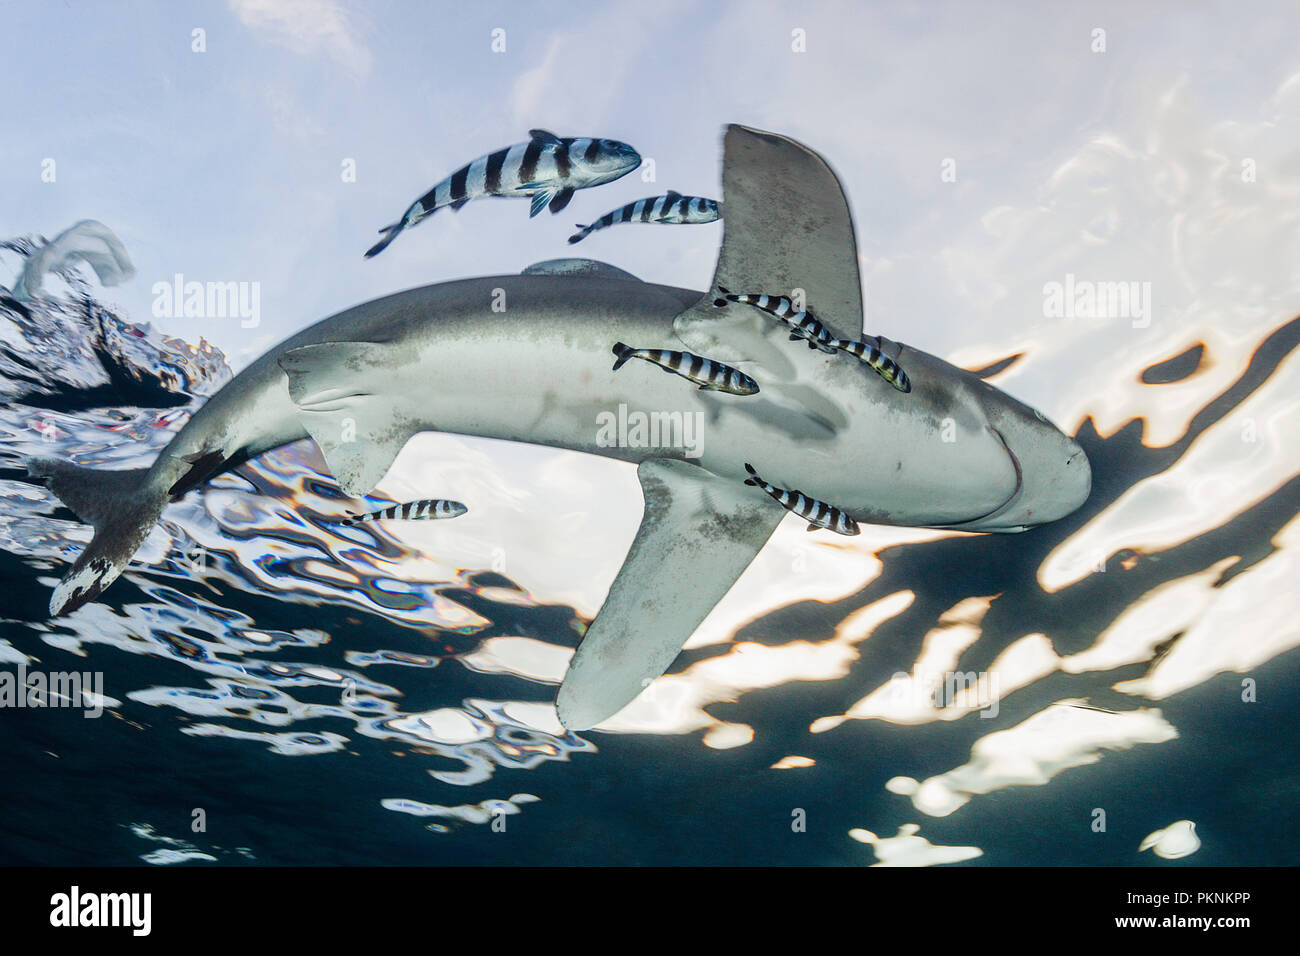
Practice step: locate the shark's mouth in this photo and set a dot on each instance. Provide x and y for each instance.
(1012, 499)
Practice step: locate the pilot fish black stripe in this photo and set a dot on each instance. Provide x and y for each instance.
(709, 375)
(777, 305)
(528, 168)
(818, 514)
(802, 324)
(672, 208)
(886, 367)
(412, 511)
(458, 180)
(492, 178)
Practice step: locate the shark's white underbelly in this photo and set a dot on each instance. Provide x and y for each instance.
(541, 372)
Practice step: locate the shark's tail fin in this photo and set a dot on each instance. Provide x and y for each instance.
(624, 352)
(123, 507)
(390, 233)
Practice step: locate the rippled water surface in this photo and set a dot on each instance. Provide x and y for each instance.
(329, 694)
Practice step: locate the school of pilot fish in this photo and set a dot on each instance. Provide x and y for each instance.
(548, 170)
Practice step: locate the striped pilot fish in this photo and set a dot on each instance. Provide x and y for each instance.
(818, 514)
(547, 168)
(412, 511)
(671, 207)
(802, 325)
(709, 375)
(883, 365)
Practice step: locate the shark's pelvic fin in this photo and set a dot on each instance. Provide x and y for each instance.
(577, 267)
(787, 227)
(338, 388)
(202, 466)
(698, 533)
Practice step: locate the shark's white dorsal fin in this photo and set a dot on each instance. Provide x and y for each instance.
(577, 267)
(787, 226)
(344, 409)
(698, 534)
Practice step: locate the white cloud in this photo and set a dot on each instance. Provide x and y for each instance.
(308, 27)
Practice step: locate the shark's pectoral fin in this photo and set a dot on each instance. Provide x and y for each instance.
(698, 533)
(338, 388)
(787, 227)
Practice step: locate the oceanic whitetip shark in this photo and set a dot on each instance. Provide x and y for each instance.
(954, 452)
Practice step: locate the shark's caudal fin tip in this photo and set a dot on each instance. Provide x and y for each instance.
(98, 567)
(81, 586)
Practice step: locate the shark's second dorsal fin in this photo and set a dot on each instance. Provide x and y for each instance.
(577, 267)
(698, 534)
(339, 390)
(787, 227)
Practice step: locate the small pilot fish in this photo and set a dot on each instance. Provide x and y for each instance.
(412, 511)
(887, 368)
(547, 168)
(709, 375)
(818, 514)
(802, 324)
(672, 207)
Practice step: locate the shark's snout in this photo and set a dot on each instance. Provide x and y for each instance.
(1057, 481)
(1053, 475)
(1081, 477)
